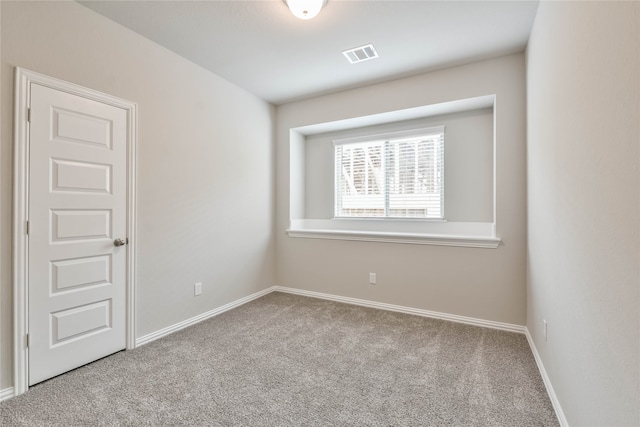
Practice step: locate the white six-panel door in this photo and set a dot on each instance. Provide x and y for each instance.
(77, 209)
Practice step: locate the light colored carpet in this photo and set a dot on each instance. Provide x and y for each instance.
(286, 360)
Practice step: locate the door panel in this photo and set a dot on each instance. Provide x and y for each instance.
(70, 274)
(77, 207)
(79, 321)
(80, 177)
(73, 126)
(80, 225)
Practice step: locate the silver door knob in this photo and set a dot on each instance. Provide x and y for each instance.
(120, 242)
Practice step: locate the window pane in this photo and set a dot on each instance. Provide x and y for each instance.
(361, 190)
(415, 177)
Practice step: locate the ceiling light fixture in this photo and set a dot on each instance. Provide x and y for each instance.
(305, 9)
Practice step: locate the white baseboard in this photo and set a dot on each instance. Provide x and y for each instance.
(199, 318)
(408, 310)
(365, 303)
(453, 318)
(547, 382)
(6, 393)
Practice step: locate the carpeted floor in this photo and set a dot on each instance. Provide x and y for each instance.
(286, 360)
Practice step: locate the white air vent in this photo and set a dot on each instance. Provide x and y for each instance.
(362, 53)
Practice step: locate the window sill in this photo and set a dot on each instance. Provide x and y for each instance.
(469, 235)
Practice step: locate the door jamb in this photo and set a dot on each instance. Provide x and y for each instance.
(22, 84)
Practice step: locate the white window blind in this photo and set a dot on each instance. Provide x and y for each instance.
(398, 175)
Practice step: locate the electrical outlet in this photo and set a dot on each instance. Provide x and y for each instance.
(372, 278)
(197, 289)
(544, 329)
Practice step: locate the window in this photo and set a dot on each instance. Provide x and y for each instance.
(362, 201)
(399, 175)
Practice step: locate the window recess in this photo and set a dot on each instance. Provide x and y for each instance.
(318, 206)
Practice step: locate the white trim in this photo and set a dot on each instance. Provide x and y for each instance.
(20, 241)
(509, 327)
(452, 318)
(199, 318)
(132, 175)
(547, 382)
(23, 80)
(406, 238)
(398, 230)
(495, 163)
(6, 393)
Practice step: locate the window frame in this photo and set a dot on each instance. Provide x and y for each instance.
(387, 139)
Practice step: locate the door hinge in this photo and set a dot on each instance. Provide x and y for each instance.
(27, 230)
(28, 340)
(29, 115)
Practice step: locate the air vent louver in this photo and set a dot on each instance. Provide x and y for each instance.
(359, 54)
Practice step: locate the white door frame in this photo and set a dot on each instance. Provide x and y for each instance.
(23, 80)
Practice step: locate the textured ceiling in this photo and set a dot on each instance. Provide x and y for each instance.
(261, 47)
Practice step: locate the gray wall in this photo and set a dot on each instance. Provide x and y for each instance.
(583, 191)
(205, 178)
(468, 160)
(481, 283)
(583, 188)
